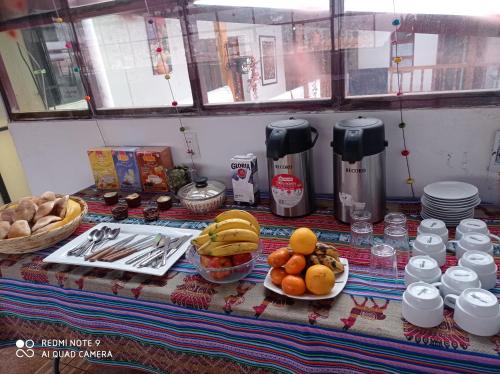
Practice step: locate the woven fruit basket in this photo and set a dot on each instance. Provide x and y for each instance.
(36, 242)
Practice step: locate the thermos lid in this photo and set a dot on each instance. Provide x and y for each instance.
(356, 138)
(289, 136)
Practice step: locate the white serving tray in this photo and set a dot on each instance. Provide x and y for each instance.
(60, 256)
(340, 282)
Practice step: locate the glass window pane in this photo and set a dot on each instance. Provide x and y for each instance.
(262, 51)
(444, 46)
(39, 71)
(127, 58)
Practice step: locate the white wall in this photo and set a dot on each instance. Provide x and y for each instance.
(445, 144)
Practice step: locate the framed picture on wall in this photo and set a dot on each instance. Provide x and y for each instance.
(160, 61)
(268, 59)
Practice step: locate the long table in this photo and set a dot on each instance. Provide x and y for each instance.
(181, 323)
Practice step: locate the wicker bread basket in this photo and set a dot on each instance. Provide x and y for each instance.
(42, 240)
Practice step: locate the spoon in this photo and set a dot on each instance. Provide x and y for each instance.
(90, 238)
(97, 237)
(109, 234)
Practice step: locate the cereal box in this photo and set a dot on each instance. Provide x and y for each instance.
(127, 169)
(153, 162)
(103, 168)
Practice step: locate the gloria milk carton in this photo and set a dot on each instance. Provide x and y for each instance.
(245, 181)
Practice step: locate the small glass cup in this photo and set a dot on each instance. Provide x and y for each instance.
(397, 237)
(361, 234)
(383, 261)
(395, 219)
(360, 215)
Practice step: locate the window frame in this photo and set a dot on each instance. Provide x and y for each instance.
(337, 102)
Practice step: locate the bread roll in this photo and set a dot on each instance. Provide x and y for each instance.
(44, 210)
(60, 206)
(4, 229)
(48, 196)
(7, 215)
(44, 221)
(25, 211)
(18, 229)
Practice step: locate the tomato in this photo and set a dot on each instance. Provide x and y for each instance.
(241, 258)
(217, 262)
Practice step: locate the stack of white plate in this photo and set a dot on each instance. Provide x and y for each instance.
(450, 202)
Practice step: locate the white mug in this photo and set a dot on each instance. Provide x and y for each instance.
(483, 264)
(476, 311)
(422, 268)
(473, 225)
(472, 241)
(430, 245)
(422, 305)
(433, 226)
(456, 279)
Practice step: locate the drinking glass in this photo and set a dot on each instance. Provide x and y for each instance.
(383, 261)
(395, 219)
(360, 215)
(397, 237)
(361, 234)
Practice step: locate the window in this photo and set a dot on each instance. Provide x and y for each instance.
(445, 46)
(42, 71)
(262, 54)
(224, 56)
(128, 55)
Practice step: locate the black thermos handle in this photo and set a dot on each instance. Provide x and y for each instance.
(353, 145)
(315, 132)
(276, 144)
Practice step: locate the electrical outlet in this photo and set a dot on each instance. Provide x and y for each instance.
(191, 144)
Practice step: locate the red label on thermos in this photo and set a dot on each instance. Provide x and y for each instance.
(287, 190)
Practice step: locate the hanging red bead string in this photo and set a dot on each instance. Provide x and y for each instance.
(167, 76)
(396, 22)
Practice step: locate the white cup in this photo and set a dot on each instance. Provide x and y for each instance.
(430, 245)
(422, 268)
(422, 305)
(456, 279)
(476, 311)
(473, 225)
(472, 241)
(483, 264)
(433, 226)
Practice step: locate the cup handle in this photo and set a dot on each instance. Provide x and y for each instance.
(450, 300)
(450, 247)
(436, 284)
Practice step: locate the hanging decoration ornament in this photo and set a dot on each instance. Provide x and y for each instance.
(396, 22)
(167, 76)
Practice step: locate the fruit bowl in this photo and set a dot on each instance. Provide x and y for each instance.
(222, 275)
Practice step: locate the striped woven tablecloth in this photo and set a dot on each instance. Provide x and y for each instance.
(183, 324)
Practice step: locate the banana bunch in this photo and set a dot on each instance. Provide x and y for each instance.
(327, 255)
(232, 232)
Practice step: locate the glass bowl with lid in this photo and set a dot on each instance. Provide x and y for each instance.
(202, 196)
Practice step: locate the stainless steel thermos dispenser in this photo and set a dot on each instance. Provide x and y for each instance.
(289, 163)
(359, 167)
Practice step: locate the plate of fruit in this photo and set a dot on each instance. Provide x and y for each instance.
(227, 249)
(307, 269)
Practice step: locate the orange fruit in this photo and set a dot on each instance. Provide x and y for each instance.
(295, 264)
(303, 241)
(278, 258)
(277, 275)
(293, 285)
(319, 279)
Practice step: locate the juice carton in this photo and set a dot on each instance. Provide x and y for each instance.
(153, 162)
(245, 181)
(126, 168)
(103, 168)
